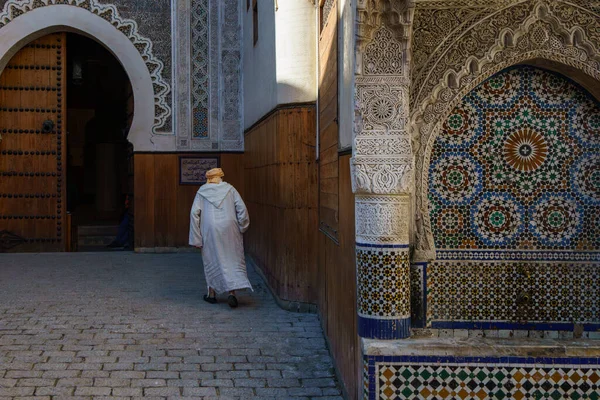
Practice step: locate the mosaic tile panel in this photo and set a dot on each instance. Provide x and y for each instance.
(200, 60)
(517, 166)
(473, 291)
(383, 282)
(417, 294)
(482, 378)
(383, 291)
(366, 379)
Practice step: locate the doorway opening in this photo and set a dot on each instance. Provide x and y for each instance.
(99, 156)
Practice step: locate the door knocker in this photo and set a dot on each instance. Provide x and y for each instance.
(47, 126)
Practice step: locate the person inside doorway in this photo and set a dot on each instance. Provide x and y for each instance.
(123, 233)
(217, 221)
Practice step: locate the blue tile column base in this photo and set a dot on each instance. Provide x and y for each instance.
(384, 329)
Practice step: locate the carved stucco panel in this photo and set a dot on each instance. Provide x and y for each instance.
(379, 175)
(382, 104)
(472, 28)
(382, 219)
(217, 78)
(382, 162)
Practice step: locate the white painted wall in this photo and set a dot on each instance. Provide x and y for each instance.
(281, 67)
(260, 73)
(296, 51)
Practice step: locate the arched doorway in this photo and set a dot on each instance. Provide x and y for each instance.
(514, 197)
(120, 36)
(66, 107)
(100, 165)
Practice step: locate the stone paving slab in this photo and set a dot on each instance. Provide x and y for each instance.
(127, 326)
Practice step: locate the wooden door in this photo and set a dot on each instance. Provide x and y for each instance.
(33, 148)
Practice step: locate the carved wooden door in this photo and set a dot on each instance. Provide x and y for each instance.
(33, 147)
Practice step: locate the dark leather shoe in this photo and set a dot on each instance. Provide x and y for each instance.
(232, 301)
(211, 300)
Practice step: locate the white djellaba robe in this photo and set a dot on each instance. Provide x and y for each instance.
(217, 221)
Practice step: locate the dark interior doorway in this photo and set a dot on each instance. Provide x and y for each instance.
(100, 159)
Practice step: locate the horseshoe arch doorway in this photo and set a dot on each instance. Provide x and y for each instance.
(66, 107)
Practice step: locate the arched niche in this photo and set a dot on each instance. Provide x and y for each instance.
(540, 41)
(514, 205)
(515, 168)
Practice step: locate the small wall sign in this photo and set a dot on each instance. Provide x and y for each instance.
(192, 169)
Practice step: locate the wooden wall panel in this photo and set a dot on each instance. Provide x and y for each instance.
(337, 265)
(328, 126)
(282, 191)
(162, 205)
(144, 200)
(281, 183)
(165, 195)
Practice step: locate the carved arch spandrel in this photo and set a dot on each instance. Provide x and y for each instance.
(543, 36)
(13, 12)
(446, 30)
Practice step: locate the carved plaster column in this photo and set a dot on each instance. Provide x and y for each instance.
(382, 168)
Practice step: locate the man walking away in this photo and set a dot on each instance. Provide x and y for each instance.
(217, 221)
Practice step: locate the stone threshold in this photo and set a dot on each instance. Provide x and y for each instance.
(482, 347)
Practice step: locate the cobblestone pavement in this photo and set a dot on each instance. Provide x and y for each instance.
(124, 325)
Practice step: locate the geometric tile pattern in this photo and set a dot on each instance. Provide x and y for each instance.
(417, 294)
(200, 58)
(473, 291)
(456, 381)
(383, 282)
(366, 377)
(517, 166)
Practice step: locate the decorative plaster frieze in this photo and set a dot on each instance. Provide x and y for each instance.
(382, 176)
(382, 219)
(383, 145)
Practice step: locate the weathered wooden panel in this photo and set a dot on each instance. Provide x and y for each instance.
(339, 269)
(162, 215)
(281, 184)
(165, 203)
(337, 299)
(282, 194)
(337, 266)
(144, 200)
(33, 158)
(328, 126)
